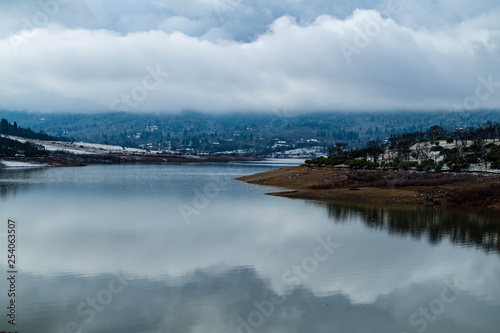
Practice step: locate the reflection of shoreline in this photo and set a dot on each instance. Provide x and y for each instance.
(464, 227)
(13, 180)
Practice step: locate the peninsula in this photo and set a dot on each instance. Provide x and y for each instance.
(439, 167)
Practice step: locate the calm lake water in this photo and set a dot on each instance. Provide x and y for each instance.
(186, 248)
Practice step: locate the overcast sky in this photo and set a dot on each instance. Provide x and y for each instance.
(249, 55)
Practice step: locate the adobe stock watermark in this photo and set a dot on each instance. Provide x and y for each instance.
(87, 309)
(138, 94)
(425, 315)
(483, 91)
(372, 29)
(49, 9)
(293, 276)
(211, 190)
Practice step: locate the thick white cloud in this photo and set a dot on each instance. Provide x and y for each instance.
(230, 55)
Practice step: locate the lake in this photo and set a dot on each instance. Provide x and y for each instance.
(186, 248)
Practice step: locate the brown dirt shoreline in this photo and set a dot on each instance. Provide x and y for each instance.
(393, 187)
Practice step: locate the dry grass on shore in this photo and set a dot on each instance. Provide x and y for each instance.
(383, 186)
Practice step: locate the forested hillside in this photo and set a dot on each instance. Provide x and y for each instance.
(252, 134)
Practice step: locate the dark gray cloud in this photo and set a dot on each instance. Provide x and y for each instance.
(239, 55)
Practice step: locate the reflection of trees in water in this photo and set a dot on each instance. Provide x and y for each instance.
(480, 229)
(14, 180)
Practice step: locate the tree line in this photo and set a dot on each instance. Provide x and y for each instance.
(12, 148)
(458, 149)
(6, 128)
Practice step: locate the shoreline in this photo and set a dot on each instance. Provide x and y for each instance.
(72, 154)
(68, 160)
(383, 187)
